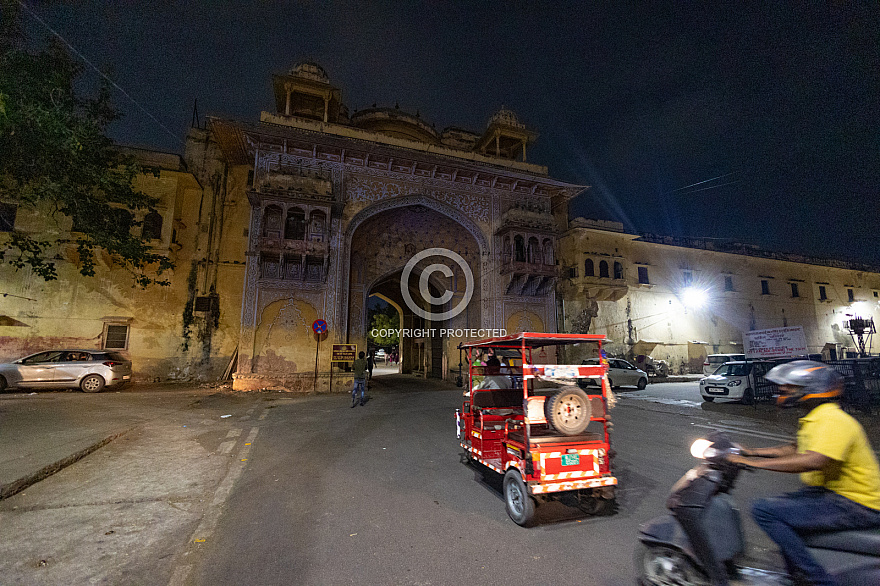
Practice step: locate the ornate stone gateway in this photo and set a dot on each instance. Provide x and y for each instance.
(453, 228)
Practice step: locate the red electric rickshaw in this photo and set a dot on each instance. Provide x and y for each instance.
(542, 425)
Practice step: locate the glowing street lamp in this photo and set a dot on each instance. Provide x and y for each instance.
(693, 297)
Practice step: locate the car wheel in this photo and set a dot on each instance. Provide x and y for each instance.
(611, 384)
(568, 411)
(748, 397)
(643, 382)
(708, 399)
(520, 506)
(3, 383)
(92, 383)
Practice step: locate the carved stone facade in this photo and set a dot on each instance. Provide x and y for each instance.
(340, 204)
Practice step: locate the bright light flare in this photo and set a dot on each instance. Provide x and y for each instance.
(699, 447)
(693, 297)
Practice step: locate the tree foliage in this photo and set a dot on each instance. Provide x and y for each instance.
(55, 157)
(384, 319)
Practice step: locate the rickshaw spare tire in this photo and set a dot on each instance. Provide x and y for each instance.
(568, 411)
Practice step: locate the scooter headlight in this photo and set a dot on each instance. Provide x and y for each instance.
(702, 449)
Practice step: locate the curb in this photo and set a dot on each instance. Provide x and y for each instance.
(11, 488)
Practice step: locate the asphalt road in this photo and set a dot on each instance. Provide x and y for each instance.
(210, 487)
(379, 495)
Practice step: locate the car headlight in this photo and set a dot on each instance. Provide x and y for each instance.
(734, 383)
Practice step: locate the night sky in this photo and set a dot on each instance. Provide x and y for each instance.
(769, 111)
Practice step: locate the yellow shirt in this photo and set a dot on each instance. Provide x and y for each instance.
(854, 473)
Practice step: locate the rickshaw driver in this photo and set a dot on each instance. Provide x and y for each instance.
(494, 379)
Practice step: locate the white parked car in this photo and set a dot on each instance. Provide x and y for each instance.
(734, 380)
(713, 361)
(622, 374)
(90, 370)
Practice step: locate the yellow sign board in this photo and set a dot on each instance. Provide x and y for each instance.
(344, 353)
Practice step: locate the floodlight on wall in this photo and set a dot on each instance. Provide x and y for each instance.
(693, 297)
(861, 330)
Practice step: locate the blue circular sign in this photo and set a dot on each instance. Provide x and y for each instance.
(319, 326)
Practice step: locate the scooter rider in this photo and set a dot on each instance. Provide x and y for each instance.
(835, 461)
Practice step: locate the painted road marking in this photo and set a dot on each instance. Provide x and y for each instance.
(234, 432)
(212, 515)
(679, 402)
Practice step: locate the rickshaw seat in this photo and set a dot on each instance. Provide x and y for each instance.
(497, 399)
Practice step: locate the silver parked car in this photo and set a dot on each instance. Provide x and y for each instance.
(621, 373)
(90, 370)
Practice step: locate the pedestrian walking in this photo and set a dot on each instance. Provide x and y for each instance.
(359, 368)
(371, 361)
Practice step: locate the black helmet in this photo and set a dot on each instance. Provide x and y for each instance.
(815, 379)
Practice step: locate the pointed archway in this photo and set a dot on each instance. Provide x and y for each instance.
(381, 246)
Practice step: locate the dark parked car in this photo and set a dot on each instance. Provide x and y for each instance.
(90, 370)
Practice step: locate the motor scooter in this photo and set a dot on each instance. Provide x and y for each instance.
(701, 542)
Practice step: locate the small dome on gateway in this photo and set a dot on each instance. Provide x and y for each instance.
(505, 117)
(309, 70)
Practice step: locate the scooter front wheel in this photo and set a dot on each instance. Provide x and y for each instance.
(657, 565)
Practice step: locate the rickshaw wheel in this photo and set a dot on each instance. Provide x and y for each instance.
(520, 505)
(568, 411)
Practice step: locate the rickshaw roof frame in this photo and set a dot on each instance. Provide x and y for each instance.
(534, 340)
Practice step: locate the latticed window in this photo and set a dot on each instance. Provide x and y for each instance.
(293, 267)
(116, 337)
(272, 222)
(269, 266)
(314, 266)
(316, 226)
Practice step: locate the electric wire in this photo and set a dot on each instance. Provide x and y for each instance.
(700, 183)
(101, 73)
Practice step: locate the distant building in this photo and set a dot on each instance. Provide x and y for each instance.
(681, 299)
